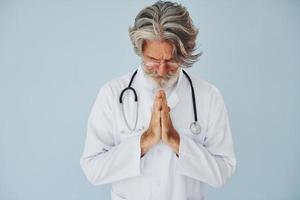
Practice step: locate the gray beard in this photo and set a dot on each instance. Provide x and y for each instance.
(163, 83)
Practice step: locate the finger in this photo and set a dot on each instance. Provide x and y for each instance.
(156, 114)
(165, 110)
(157, 104)
(159, 94)
(163, 94)
(157, 117)
(164, 116)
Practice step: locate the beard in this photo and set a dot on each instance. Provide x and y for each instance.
(160, 82)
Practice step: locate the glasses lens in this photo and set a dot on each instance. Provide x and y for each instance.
(172, 65)
(153, 64)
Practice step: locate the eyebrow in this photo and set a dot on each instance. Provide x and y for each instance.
(158, 59)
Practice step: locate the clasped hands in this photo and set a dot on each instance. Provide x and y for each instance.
(161, 127)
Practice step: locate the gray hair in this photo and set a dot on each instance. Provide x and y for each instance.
(166, 21)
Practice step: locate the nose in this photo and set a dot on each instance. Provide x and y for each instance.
(162, 69)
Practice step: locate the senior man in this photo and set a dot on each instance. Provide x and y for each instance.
(158, 133)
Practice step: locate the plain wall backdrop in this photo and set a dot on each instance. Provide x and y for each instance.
(55, 55)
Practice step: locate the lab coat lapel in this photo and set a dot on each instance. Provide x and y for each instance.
(173, 98)
(146, 93)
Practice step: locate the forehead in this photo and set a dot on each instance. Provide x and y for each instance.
(157, 49)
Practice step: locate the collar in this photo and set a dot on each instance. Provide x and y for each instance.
(148, 90)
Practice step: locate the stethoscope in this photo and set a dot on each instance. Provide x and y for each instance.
(194, 126)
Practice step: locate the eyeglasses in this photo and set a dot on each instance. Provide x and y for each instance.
(152, 64)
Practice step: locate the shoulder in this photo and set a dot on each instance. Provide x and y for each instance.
(114, 86)
(207, 93)
(205, 87)
(108, 93)
(210, 94)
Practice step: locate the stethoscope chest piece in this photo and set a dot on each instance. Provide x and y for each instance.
(195, 128)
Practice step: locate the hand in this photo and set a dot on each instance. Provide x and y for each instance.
(168, 133)
(153, 134)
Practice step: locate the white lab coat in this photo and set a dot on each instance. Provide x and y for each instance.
(112, 153)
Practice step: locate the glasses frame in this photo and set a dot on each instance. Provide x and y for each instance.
(151, 64)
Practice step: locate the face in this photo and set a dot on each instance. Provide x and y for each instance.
(158, 63)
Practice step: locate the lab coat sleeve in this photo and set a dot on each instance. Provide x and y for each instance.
(103, 161)
(212, 161)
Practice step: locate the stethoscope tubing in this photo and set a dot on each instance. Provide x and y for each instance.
(129, 87)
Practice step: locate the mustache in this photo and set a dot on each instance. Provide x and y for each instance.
(168, 76)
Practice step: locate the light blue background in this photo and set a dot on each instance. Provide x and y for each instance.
(55, 55)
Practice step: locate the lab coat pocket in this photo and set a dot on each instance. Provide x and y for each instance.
(115, 196)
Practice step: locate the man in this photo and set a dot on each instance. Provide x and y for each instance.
(149, 148)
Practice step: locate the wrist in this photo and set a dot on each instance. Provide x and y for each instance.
(146, 143)
(174, 141)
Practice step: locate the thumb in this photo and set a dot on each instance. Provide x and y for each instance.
(164, 115)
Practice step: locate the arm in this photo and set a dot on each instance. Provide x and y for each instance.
(213, 161)
(103, 161)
